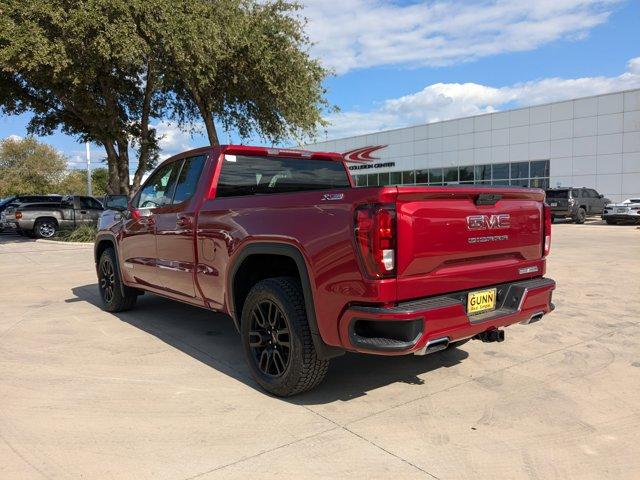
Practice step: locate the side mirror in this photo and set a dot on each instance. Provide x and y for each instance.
(116, 202)
(601, 196)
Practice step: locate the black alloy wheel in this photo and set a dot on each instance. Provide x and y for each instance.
(115, 296)
(107, 279)
(277, 340)
(269, 339)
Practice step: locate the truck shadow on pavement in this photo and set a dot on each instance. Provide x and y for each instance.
(213, 340)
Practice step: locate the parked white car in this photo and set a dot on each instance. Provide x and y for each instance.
(627, 211)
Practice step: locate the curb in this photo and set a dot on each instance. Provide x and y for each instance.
(60, 242)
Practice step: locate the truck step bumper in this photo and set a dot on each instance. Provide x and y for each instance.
(430, 324)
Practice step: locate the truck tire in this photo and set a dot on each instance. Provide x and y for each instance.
(277, 340)
(114, 297)
(581, 216)
(611, 221)
(45, 228)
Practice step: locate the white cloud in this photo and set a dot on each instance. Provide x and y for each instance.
(351, 34)
(441, 101)
(173, 140)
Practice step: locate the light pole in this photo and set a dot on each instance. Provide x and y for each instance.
(89, 189)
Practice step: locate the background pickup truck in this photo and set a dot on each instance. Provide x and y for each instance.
(308, 266)
(43, 220)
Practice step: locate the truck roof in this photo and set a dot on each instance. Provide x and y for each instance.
(261, 151)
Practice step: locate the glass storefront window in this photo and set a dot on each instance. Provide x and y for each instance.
(500, 171)
(466, 174)
(422, 176)
(520, 170)
(500, 182)
(482, 172)
(435, 175)
(533, 174)
(408, 177)
(450, 174)
(540, 168)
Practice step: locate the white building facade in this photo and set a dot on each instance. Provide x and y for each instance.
(587, 142)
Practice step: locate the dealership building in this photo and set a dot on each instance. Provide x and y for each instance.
(587, 142)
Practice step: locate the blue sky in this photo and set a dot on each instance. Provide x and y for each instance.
(401, 63)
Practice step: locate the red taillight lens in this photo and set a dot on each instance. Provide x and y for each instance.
(547, 230)
(18, 215)
(375, 231)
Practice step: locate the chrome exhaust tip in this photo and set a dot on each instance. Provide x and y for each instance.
(536, 317)
(435, 345)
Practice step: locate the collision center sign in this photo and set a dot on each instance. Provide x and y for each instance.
(362, 156)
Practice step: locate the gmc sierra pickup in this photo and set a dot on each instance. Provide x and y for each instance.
(308, 266)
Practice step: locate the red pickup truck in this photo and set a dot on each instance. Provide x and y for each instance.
(308, 266)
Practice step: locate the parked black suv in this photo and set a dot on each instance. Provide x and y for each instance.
(576, 203)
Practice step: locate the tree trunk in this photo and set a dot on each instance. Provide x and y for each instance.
(113, 183)
(145, 140)
(118, 162)
(207, 117)
(123, 166)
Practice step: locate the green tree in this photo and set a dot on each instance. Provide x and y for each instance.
(30, 167)
(82, 67)
(99, 180)
(244, 64)
(74, 182)
(102, 70)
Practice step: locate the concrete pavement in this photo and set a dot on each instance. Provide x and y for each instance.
(163, 391)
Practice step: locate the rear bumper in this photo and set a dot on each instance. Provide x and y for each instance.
(622, 217)
(562, 212)
(408, 326)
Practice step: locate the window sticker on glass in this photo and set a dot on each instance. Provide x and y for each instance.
(231, 158)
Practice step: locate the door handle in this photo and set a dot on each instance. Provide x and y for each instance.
(83, 211)
(183, 222)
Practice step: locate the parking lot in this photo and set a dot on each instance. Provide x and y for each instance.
(163, 391)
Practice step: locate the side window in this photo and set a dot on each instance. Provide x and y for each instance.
(575, 193)
(90, 203)
(188, 179)
(592, 193)
(158, 190)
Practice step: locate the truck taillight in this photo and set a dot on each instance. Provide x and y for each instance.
(375, 232)
(547, 230)
(18, 215)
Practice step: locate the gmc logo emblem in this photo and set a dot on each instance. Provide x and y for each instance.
(488, 222)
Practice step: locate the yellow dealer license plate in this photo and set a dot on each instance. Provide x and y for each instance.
(481, 301)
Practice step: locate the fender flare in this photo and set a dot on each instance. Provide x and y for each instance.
(323, 350)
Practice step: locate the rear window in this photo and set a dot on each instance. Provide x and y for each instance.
(557, 193)
(245, 175)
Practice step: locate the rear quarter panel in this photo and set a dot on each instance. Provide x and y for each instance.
(322, 230)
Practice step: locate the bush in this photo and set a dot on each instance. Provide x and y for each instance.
(84, 233)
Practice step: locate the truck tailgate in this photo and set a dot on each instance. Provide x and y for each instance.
(459, 238)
